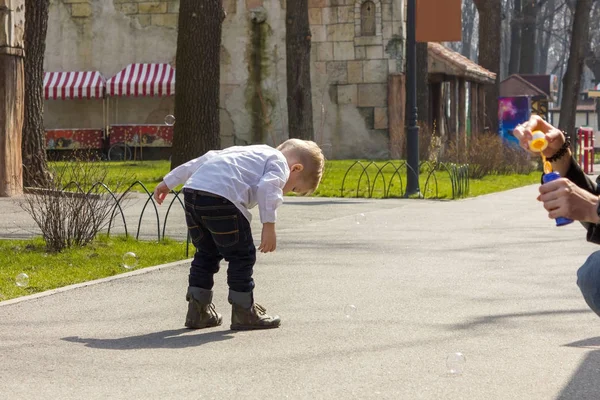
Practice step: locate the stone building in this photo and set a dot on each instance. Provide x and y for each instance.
(356, 45)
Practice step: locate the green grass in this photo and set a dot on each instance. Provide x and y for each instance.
(335, 171)
(101, 259)
(152, 172)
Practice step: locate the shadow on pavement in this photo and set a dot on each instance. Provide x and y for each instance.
(500, 318)
(584, 383)
(169, 339)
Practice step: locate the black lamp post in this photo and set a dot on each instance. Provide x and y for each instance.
(412, 137)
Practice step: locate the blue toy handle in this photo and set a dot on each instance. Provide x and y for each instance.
(552, 176)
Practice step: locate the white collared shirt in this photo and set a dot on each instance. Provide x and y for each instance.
(244, 175)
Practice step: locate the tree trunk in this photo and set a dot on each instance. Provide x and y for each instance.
(35, 164)
(572, 78)
(197, 128)
(505, 41)
(528, 31)
(467, 28)
(297, 49)
(515, 39)
(490, 38)
(548, 25)
(12, 15)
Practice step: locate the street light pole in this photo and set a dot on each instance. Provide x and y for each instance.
(412, 137)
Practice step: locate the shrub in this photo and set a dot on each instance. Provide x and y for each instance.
(74, 206)
(488, 154)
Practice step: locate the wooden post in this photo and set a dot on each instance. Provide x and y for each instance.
(481, 108)
(437, 109)
(462, 114)
(396, 114)
(473, 108)
(12, 87)
(452, 132)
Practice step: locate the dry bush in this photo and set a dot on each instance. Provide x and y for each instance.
(74, 207)
(429, 143)
(488, 154)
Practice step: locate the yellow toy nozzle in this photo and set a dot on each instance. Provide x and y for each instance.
(539, 142)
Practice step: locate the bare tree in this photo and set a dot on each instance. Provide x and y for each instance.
(572, 78)
(528, 36)
(490, 39)
(35, 171)
(515, 38)
(197, 129)
(469, 12)
(546, 33)
(297, 48)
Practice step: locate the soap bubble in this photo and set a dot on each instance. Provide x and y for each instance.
(360, 218)
(455, 363)
(170, 120)
(349, 310)
(22, 280)
(130, 260)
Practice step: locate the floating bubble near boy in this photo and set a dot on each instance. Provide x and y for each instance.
(22, 280)
(455, 363)
(130, 260)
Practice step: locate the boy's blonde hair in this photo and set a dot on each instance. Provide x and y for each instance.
(307, 153)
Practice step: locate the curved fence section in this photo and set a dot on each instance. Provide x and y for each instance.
(361, 179)
(118, 200)
(437, 180)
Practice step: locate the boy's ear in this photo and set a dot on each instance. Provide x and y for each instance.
(297, 168)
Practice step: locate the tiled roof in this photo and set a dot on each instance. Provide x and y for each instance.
(516, 85)
(460, 64)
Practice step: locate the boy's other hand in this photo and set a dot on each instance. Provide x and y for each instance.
(268, 239)
(161, 192)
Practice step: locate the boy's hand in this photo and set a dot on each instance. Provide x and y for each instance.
(161, 192)
(268, 240)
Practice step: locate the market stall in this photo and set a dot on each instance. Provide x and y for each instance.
(127, 140)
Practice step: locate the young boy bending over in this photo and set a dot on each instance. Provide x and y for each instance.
(220, 187)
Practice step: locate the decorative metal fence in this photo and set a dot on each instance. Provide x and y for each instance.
(117, 208)
(389, 176)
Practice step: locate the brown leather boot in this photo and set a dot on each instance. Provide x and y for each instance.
(201, 311)
(247, 315)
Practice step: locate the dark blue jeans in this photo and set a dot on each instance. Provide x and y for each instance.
(219, 230)
(588, 280)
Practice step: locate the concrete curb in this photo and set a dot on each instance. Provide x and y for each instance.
(94, 282)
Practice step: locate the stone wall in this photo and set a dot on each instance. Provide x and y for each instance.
(349, 72)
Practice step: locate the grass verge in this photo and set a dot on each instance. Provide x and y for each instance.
(101, 259)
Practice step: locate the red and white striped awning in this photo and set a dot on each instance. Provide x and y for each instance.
(143, 80)
(73, 85)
